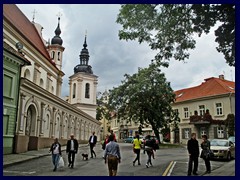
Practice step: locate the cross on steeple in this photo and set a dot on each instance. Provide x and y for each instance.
(59, 15)
(34, 12)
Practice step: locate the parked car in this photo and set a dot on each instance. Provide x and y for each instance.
(128, 139)
(232, 139)
(223, 149)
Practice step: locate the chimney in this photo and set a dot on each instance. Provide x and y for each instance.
(221, 76)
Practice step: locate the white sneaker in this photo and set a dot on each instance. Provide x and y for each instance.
(147, 165)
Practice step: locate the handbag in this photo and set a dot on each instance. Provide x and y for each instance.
(60, 162)
(210, 154)
(204, 154)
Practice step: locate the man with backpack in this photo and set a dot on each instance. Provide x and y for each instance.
(149, 147)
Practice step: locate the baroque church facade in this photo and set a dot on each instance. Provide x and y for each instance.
(41, 112)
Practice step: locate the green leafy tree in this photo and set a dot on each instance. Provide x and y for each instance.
(144, 97)
(170, 28)
(230, 124)
(102, 110)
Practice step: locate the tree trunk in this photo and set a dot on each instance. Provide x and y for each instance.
(156, 132)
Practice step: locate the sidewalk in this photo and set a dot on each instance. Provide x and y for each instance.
(11, 159)
(228, 169)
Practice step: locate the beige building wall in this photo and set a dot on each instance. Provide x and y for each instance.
(77, 84)
(210, 104)
(227, 104)
(42, 114)
(39, 67)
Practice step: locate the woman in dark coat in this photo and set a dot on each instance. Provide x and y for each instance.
(205, 145)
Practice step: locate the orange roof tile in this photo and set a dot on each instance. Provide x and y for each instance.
(211, 87)
(21, 24)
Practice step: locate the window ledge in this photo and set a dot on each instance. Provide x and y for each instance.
(222, 115)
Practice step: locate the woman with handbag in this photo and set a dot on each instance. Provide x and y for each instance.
(136, 149)
(104, 143)
(205, 154)
(56, 153)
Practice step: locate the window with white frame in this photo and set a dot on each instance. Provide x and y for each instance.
(220, 132)
(219, 109)
(186, 133)
(201, 110)
(186, 112)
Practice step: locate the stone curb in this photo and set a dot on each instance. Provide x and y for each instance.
(31, 157)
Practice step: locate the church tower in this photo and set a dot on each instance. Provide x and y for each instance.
(83, 84)
(56, 49)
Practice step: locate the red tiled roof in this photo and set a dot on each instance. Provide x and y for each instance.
(211, 87)
(21, 24)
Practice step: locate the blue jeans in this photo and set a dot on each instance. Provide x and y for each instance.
(55, 160)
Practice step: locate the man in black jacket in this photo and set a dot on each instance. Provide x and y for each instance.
(72, 149)
(92, 142)
(193, 151)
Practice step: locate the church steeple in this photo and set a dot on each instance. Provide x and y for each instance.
(83, 84)
(84, 58)
(56, 49)
(57, 39)
(84, 54)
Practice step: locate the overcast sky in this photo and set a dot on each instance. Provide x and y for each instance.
(111, 58)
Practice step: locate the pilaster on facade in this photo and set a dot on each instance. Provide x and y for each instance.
(42, 118)
(49, 82)
(36, 73)
(59, 86)
(20, 125)
(79, 93)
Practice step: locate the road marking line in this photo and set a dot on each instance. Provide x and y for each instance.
(170, 171)
(19, 172)
(168, 168)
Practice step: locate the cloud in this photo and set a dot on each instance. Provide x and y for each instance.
(111, 58)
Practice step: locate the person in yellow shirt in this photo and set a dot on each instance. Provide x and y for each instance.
(136, 149)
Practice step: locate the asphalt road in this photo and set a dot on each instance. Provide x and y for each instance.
(96, 167)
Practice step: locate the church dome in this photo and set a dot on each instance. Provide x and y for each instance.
(83, 68)
(57, 40)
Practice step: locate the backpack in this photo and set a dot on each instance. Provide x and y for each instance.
(149, 143)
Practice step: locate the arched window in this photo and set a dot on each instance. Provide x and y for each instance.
(41, 83)
(27, 74)
(52, 89)
(87, 90)
(59, 53)
(74, 90)
(53, 54)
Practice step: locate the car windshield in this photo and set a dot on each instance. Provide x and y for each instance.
(219, 143)
(232, 139)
